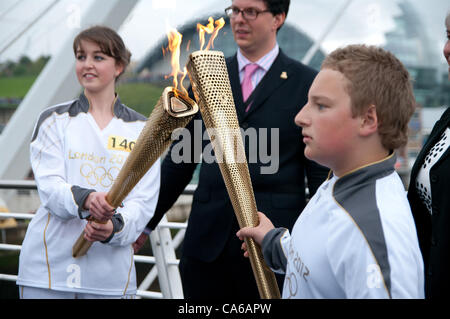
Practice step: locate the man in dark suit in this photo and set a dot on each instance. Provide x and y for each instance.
(212, 265)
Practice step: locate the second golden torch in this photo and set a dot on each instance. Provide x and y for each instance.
(211, 85)
(173, 110)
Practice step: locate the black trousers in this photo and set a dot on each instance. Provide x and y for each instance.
(230, 276)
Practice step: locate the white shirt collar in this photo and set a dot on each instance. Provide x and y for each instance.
(265, 62)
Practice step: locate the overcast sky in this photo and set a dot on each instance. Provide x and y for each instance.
(364, 21)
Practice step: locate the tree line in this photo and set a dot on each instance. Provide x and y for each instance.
(23, 67)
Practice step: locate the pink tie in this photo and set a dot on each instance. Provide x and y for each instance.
(247, 86)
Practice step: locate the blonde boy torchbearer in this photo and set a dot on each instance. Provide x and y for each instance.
(356, 238)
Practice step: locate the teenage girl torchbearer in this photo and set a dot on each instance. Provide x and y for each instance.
(77, 149)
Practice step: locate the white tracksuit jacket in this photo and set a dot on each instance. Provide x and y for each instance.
(356, 238)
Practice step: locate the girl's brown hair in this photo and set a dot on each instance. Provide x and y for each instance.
(109, 41)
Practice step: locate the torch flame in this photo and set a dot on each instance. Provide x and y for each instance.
(210, 29)
(219, 25)
(202, 29)
(175, 39)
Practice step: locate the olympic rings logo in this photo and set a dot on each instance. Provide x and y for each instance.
(99, 174)
(291, 283)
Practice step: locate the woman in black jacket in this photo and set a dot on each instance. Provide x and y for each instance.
(429, 197)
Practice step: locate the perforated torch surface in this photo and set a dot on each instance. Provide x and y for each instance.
(153, 140)
(211, 85)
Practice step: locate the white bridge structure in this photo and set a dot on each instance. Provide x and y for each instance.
(14, 163)
(14, 156)
(59, 71)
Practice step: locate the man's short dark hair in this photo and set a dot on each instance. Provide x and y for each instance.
(278, 6)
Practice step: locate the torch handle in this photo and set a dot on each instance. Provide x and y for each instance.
(208, 73)
(265, 278)
(82, 245)
(172, 111)
(136, 165)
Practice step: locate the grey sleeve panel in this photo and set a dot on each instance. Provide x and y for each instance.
(126, 113)
(80, 194)
(273, 252)
(73, 108)
(129, 115)
(46, 114)
(356, 194)
(118, 223)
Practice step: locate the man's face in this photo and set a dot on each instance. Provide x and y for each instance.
(254, 35)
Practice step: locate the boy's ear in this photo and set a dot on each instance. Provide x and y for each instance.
(369, 121)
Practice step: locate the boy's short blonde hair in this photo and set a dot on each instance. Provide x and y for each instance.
(376, 77)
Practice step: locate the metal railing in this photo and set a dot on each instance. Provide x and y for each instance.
(163, 247)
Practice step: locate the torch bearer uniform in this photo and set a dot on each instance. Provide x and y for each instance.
(71, 157)
(355, 239)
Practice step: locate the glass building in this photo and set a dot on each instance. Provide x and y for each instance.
(411, 44)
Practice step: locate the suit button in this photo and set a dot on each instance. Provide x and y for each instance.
(433, 242)
(434, 178)
(244, 125)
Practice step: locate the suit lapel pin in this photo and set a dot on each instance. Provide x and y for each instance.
(283, 75)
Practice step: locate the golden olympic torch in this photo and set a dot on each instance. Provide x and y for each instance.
(173, 110)
(207, 71)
